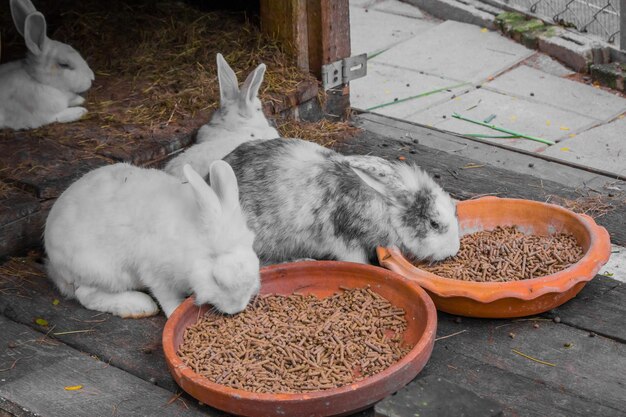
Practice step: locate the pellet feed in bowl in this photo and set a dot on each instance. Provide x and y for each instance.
(507, 254)
(297, 343)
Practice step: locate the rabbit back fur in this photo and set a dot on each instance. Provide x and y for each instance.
(306, 201)
(120, 229)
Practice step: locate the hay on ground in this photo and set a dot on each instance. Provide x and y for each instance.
(155, 64)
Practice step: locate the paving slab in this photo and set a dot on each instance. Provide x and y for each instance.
(457, 51)
(475, 12)
(616, 266)
(384, 84)
(532, 164)
(398, 8)
(372, 31)
(547, 64)
(603, 147)
(511, 112)
(566, 94)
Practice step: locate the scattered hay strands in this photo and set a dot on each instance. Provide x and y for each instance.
(155, 65)
(595, 206)
(324, 132)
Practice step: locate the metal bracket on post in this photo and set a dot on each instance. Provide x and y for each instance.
(342, 72)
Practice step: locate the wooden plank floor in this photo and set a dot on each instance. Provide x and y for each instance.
(587, 345)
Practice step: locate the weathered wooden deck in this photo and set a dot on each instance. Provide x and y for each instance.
(121, 367)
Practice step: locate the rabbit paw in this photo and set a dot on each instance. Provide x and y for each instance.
(70, 114)
(139, 305)
(77, 100)
(128, 304)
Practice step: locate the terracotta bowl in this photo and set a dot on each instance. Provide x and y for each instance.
(321, 279)
(516, 298)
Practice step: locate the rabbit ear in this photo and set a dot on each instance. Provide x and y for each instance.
(205, 197)
(379, 175)
(35, 33)
(251, 86)
(229, 86)
(224, 183)
(20, 9)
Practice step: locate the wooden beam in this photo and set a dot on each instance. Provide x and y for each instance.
(328, 32)
(286, 20)
(329, 41)
(335, 16)
(314, 32)
(317, 32)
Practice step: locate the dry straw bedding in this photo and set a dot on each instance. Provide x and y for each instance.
(155, 66)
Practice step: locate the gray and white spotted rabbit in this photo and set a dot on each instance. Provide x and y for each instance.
(120, 229)
(305, 201)
(43, 88)
(239, 119)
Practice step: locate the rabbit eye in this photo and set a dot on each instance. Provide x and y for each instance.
(435, 225)
(64, 65)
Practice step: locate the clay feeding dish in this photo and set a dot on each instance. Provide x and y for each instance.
(322, 279)
(513, 298)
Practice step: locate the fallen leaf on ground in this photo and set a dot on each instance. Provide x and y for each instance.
(41, 322)
(73, 387)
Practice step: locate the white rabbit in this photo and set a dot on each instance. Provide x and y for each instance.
(305, 201)
(120, 229)
(239, 119)
(43, 88)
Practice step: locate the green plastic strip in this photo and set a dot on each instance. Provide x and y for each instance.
(501, 129)
(480, 135)
(428, 93)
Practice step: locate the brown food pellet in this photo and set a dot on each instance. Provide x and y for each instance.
(298, 343)
(507, 254)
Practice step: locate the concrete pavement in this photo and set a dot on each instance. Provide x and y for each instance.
(480, 74)
(423, 70)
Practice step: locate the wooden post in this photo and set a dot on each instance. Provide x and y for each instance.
(329, 41)
(286, 20)
(622, 25)
(317, 32)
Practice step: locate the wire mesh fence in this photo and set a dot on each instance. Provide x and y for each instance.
(598, 17)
